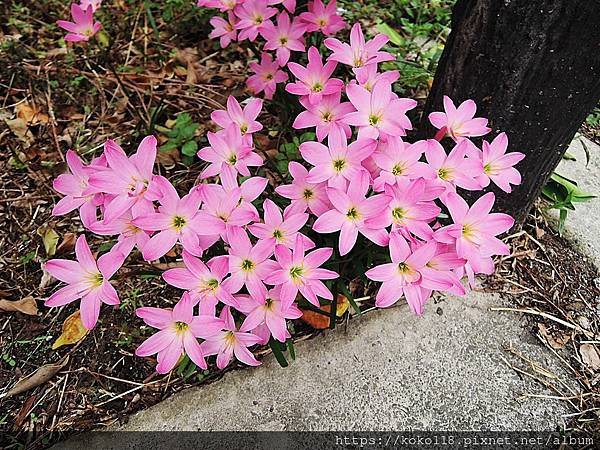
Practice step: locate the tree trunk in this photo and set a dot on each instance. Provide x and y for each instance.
(533, 68)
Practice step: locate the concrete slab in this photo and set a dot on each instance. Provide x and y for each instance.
(390, 371)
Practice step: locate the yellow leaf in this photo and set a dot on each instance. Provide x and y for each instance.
(50, 238)
(320, 321)
(31, 114)
(72, 331)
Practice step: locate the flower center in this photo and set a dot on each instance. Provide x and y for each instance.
(244, 128)
(178, 222)
(97, 279)
(232, 159)
(398, 169)
(307, 194)
(445, 173)
(259, 20)
(181, 327)
(374, 119)
(403, 268)
(283, 40)
(247, 265)
(269, 303)
(322, 22)
(468, 231)
(269, 76)
(398, 214)
(212, 284)
(277, 234)
(339, 164)
(296, 272)
(230, 338)
(327, 116)
(353, 214)
(317, 87)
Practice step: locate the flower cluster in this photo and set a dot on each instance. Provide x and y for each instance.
(246, 256)
(83, 26)
(248, 19)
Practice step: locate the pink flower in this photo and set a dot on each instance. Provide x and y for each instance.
(474, 228)
(248, 191)
(399, 162)
(244, 120)
(351, 210)
(498, 165)
(223, 29)
(225, 344)
(83, 26)
(302, 273)
(228, 151)
(339, 162)
(454, 169)
(203, 283)
(73, 185)
(323, 18)
(179, 330)
(174, 221)
(358, 53)
(304, 195)
(248, 264)
(129, 179)
(86, 280)
(252, 14)
(284, 38)
(411, 208)
(378, 112)
(314, 79)
(326, 115)
(368, 76)
(267, 75)
(223, 5)
(276, 229)
(405, 275)
(458, 123)
(95, 4)
(130, 235)
(269, 311)
(290, 5)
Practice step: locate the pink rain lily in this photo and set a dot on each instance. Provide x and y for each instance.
(276, 229)
(129, 180)
(458, 123)
(411, 209)
(304, 195)
(284, 38)
(269, 311)
(323, 18)
(290, 5)
(243, 119)
(326, 116)
(454, 169)
(83, 26)
(300, 273)
(249, 190)
(359, 53)
(474, 228)
(351, 210)
(498, 165)
(178, 335)
(267, 75)
(252, 15)
(204, 282)
(399, 162)
(228, 151)
(175, 222)
(95, 4)
(73, 185)
(405, 275)
(223, 5)
(339, 162)
(378, 112)
(230, 342)
(248, 265)
(314, 80)
(86, 280)
(223, 29)
(130, 235)
(368, 76)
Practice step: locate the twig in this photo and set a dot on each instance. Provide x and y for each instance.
(539, 313)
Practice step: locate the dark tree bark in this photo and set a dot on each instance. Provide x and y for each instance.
(533, 68)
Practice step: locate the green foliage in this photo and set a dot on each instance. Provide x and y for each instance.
(593, 120)
(181, 136)
(562, 194)
(291, 151)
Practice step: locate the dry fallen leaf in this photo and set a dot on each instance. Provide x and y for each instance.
(26, 305)
(72, 331)
(50, 238)
(590, 356)
(21, 130)
(38, 377)
(555, 341)
(321, 322)
(67, 244)
(31, 114)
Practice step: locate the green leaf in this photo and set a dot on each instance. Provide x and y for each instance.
(561, 221)
(276, 347)
(189, 148)
(350, 298)
(395, 37)
(292, 350)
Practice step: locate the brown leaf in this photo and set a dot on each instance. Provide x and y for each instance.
(67, 244)
(40, 376)
(555, 341)
(31, 114)
(321, 322)
(72, 331)
(26, 305)
(21, 130)
(24, 412)
(590, 356)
